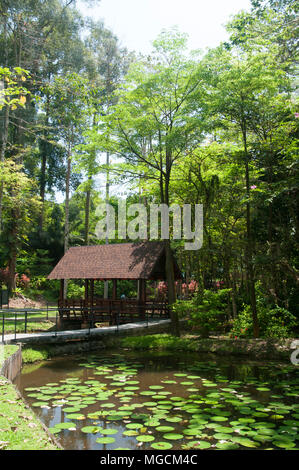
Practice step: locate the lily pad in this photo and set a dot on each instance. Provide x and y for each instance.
(134, 425)
(65, 425)
(173, 436)
(105, 440)
(161, 445)
(165, 428)
(202, 445)
(90, 429)
(145, 438)
(108, 431)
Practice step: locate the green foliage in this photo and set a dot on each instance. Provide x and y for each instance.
(274, 322)
(9, 350)
(219, 129)
(36, 263)
(13, 94)
(159, 342)
(30, 355)
(20, 429)
(205, 312)
(75, 291)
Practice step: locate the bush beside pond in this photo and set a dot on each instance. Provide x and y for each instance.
(207, 312)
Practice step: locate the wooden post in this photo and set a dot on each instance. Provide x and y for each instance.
(142, 297)
(142, 291)
(91, 291)
(61, 289)
(114, 291)
(106, 289)
(86, 289)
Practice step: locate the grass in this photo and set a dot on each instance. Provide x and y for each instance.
(35, 322)
(20, 429)
(32, 327)
(6, 351)
(31, 355)
(160, 342)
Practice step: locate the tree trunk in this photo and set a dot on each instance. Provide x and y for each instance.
(13, 250)
(42, 192)
(67, 210)
(249, 244)
(87, 211)
(6, 107)
(169, 267)
(42, 189)
(106, 284)
(171, 288)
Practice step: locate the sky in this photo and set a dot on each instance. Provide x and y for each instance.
(138, 22)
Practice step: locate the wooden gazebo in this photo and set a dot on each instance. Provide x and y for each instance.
(142, 262)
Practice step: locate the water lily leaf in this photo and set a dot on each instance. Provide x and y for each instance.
(145, 438)
(90, 429)
(226, 445)
(65, 425)
(161, 445)
(173, 419)
(130, 432)
(134, 425)
(165, 428)
(108, 431)
(173, 436)
(219, 418)
(54, 430)
(192, 431)
(105, 440)
(75, 416)
(152, 422)
(203, 445)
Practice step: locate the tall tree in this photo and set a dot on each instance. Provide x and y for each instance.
(69, 96)
(151, 126)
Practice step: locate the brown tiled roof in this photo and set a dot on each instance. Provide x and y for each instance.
(143, 260)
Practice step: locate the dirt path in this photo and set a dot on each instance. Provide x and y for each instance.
(23, 302)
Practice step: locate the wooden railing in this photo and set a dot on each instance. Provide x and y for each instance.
(112, 311)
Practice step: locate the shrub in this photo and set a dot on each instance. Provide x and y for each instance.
(74, 291)
(274, 322)
(159, 342)
(206, 312)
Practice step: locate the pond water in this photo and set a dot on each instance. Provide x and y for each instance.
(128, 400)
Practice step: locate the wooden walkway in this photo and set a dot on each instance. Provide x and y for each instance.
(84, 334)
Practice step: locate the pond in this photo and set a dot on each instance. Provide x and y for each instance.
(127, 400)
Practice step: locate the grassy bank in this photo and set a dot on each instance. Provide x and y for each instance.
(161, 342)
(20, 429)
(252, 348)
(7, 351)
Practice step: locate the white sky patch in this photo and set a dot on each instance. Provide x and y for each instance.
(138, 22)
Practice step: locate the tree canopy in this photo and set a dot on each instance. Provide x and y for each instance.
(218, 128)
